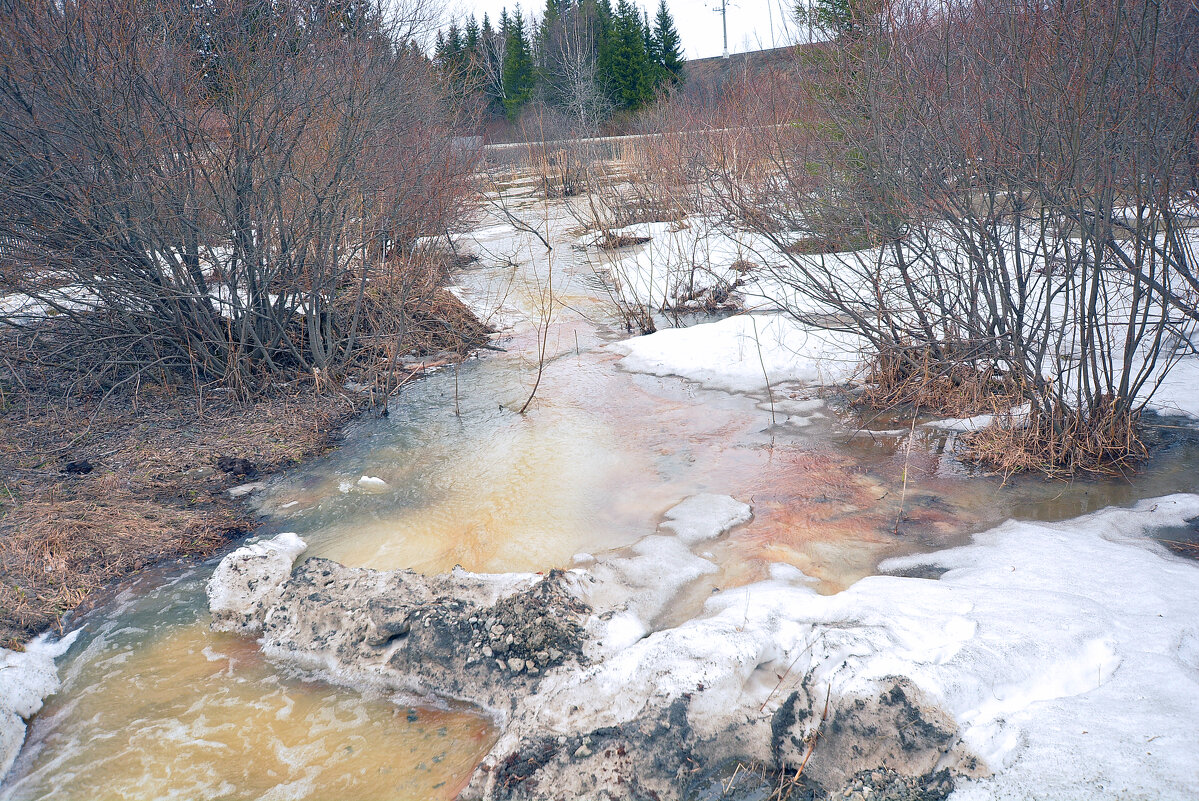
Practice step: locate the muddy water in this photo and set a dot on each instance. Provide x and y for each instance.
(155, 706)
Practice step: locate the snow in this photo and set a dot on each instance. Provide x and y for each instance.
(678, 260)
(242, 490)
(637, 583)
(745, 353)
(372, 483)
(705, 517)
(1178, 392)
(249, 579)
(22, 309)
(978, 422)
(26, 677)
(1067, 653)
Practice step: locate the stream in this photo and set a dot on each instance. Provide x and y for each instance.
(153, 705)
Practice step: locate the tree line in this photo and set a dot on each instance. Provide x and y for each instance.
(583, 58)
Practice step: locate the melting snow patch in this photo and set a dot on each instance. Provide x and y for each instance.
(26, 677)
(1075, 684)
(705, 517)
(241, 490)
(745, 353)
(372, 484)
(248, 581)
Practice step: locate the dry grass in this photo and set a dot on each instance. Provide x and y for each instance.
(154, 493)
(924, 382)
(615, 241)
(816, 245)
(1105, 442)
(414, 302)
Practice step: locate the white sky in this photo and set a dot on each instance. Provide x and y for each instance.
(750, 21)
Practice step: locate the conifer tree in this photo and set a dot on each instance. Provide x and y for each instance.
(472, 36)
(583, 57)
(518, 66)
(668, 45)
(632, 73)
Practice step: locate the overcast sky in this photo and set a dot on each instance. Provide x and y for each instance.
(751, 22)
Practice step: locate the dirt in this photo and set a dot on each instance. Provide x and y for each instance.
(154, 490)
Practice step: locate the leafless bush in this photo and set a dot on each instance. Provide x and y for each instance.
(211, 180)
(991, 192)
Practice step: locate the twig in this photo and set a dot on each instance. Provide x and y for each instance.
(907, 456)
(761, 361)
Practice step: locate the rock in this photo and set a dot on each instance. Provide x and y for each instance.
(885, 784)
(236, 466)
(387, 622)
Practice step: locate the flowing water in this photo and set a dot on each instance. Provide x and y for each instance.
(155, 706)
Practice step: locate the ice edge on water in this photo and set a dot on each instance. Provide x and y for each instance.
(26, 677)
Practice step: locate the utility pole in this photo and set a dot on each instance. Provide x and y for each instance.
(723, 11)
(724, 22)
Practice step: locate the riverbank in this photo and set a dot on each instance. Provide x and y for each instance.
(96, 487)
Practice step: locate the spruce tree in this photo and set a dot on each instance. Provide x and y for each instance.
(471, 41)
(632, 73)
(518, 66)
(668, 45)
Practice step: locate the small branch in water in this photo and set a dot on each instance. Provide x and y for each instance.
(815, 738)
(904, 494)
(761, 361)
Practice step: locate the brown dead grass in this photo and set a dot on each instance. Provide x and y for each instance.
(924, 383)
(154, 493)
(1104, 442)
(616, 241)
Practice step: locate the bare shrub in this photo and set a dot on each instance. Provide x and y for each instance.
(994, 196)
(211, 180)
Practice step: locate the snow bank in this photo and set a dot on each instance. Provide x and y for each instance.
(1078, 681)
(26, 677)
(1067, 654)
(248, 581)
(739, 354)
(1049, 661)
(680, 261)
